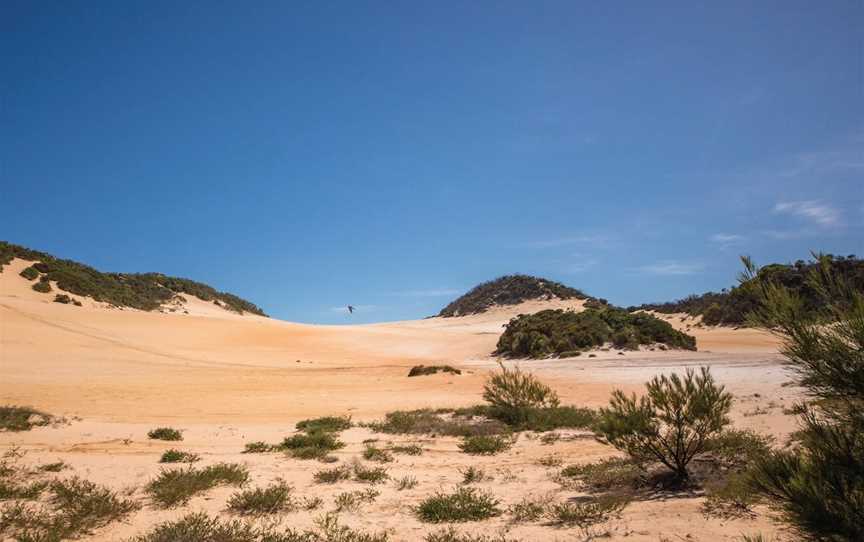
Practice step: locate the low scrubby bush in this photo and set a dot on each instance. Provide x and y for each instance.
(423, 370)
(20, 418)
(513, 393)
(30, 273)
(465, 504)
(165, 433)
(327, 424)
(612, 474)
(275, 498)
(485, 445)
(174, 487)
(373, 453)
(313, 445)
(178, 456)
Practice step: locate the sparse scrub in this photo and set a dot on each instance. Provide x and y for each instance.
(606, 475)
(313, 445)
(407, 449)
(269, 500)
(43, 286)
(257, 447)
(331, 476)
(512, 393)
(350, 501)
(485, 445)
(66, 300)
(13, 489)
(370, 475)
(372, 453)
(423, 370)
(174, 487)
(327, 424)
(465, 504)
(672, 424)
(450, 534)
(165, 433)
(586, 515)
(508, 290)
(732, 498)
(19, 418)
(472, 475)
(178, 456)
(530, 508)
(406, 482)
(554, 332)
(29, 273)
(57, 466)
(430, 422)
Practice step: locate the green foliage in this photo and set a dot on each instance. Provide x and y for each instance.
(671, 424)
(423, 370)
(199, 527)
(472, 475)
(257, 447)
(819, 484)
(614, 474)
(145, 291)
(450, 534)
(275, 498)
(13, 489)
(431, 422)
(30, 273)
(174, 487)
(52, 467)
(43, 286)
(512, 393)
(20, 418)
(558, 332)
(66, 300)
(165, 433)
(350, 501)
(75, 507)
(313, 445)
(465, 504)
(485, 444)
(530, 508)
(370, 475)
(327, 424)
(733, 307)
(407, 449)
(177, 456)
(508, 290)
(586, 514)
(372, 453)
(732, 498)
(331, 476)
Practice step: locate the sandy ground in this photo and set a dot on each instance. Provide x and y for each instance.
(227, 379)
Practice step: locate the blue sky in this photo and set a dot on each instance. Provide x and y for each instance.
(307, 155)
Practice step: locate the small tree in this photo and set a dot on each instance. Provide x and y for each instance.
(671, 423)
(819, 484)
(514, 393)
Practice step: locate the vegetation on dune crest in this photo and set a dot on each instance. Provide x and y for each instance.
(819, 483)
(145, 291)
(732, 307)
(566, 333)
(508, 290)
(20, 418)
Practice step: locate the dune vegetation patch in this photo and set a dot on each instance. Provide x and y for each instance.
(22, 418)
(562, 333)
(174, 487)
(178, 456)
(424, 370)
(464, 504)
(326, 424)
(165, 433)
(485, 444)
(508, 290)
(275, 498)
(314, 445)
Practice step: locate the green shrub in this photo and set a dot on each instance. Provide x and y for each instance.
(20, 418)
(165, 433)
(11, 489)
(671, 424)
(508, 290)
(731, 498)
(737, 448)
(406, 482)
(430, 422)
(43, 286)
(485, 445)
(257, 447)
(372, 453)
(30, 273)
(423, 370)
(530, 508)
(350, 501)
(177, 456)
(556, 332)
(465, 504)
(586, 514)
(331, 476)
(313, 445)
(53, 467)
(513, 393)
(66, 300)
(176, 486)
(370, 475)
(607, 474)
(407, 449)
(269, 500)
(327, 424)
(473, 475)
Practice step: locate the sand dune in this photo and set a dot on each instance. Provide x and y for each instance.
(229, 379)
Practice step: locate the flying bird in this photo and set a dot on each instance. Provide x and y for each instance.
(351, 309)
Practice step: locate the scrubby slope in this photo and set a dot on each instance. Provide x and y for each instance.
(508, 290)
(144, 291)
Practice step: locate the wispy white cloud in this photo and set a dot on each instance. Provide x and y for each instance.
(727, 239)
(812, 210)
(670, 268)
(431, 292)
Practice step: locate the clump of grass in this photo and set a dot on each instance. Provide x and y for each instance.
(373, 453)
(485, 445)
(311, 503)
(423, 370)
(257, 447)
(326, 424)
(176, 486)
(350, 501)
(529, 509)
(586, 515)
(606, 475)
(441, 422)
(406, 482)
(43, 286)
(314, 445)
(77, 507)
(165, 433)
(370, 475)
(472, 475)
(53, 467)
(331, 476)
(465, 504)
(450, 534)
(12, 489)
(178, 456)
(407, 449)
(21, 418)
(269, 500)
(29, 273)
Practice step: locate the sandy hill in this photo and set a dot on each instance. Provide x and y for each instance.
(509, 290)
